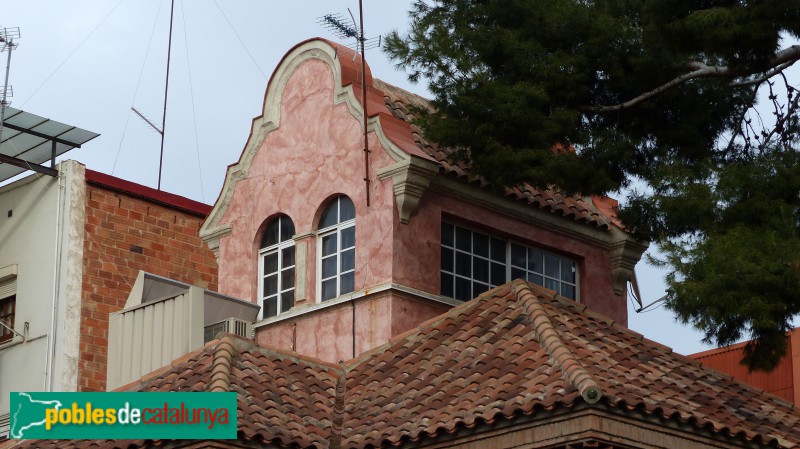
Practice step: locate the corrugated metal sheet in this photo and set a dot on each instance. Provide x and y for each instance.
(780, 382)
(150, 336)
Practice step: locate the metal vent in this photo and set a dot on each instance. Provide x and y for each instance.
(231, 325)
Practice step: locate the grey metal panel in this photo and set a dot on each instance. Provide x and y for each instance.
(151, 336)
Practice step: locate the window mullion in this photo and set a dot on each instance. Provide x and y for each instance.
(279, 275)
(338, 261)
(508, 261)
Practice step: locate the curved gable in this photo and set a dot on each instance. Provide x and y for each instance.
(394, 135)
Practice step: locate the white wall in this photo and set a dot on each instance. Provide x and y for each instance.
(48, 253)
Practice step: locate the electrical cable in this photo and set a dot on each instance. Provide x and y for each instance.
(659, 301)
(138, 83)
(240, 40)
(72, 53)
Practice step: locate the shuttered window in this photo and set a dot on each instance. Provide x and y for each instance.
(8, 303)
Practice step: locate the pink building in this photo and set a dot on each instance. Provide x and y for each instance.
(340, 264)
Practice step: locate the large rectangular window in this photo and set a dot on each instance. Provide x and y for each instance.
(474, 262)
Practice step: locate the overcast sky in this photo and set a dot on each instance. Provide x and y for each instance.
(86, 62)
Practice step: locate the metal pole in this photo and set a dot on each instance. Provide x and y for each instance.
(10, 45)
(166, 90)
(364, 96)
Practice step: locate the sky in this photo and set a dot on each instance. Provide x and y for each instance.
(87, 62)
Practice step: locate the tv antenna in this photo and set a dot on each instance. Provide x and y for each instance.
(163, 128)
(7, 38)
(337, 24)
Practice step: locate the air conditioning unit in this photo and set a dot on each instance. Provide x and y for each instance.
(234, 326)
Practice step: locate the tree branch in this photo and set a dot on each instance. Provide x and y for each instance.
(777, 64)
(766, 76)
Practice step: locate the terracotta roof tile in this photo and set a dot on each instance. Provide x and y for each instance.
(401, 104)
(516, 350)
(282, 398)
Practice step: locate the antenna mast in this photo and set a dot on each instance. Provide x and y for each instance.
(363, 95)
(7, 36)
(166, 91)
(335, 24)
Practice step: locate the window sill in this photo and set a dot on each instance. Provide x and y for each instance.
(17, 340)
(11, 343)
(313, 308)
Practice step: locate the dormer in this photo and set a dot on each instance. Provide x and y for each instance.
(336, 275)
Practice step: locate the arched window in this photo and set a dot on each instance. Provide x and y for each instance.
(276, 267)
(337, 248)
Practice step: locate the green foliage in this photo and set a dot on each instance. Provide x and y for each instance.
(661, 91)
(734, 244)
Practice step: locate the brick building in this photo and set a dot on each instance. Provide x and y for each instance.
(71, 247)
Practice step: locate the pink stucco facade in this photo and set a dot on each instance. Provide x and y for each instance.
(315, 155)
(306, 149)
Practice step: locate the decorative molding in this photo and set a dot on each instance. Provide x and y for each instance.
(212, 237)
(270, 120)
(625, 252)
(410, 178)
(303, 235)
(519, 210)
(300, 265)
(584, 426)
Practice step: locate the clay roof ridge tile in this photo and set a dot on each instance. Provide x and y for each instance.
(221, 365)
(548, 337)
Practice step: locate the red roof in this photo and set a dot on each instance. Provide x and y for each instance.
(515, 351)
(157, 196)
(596, 211)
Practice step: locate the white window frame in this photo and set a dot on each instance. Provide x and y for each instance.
(330, 230)
(262, 254)
(507, 262)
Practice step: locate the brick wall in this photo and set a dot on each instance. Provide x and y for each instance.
(126, 233)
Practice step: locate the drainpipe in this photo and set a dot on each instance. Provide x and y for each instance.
(353, 308)
(51, 338)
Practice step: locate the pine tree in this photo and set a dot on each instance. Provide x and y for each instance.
(660, 92)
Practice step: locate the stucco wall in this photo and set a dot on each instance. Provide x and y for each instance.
(315, 154)
(328, 333)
